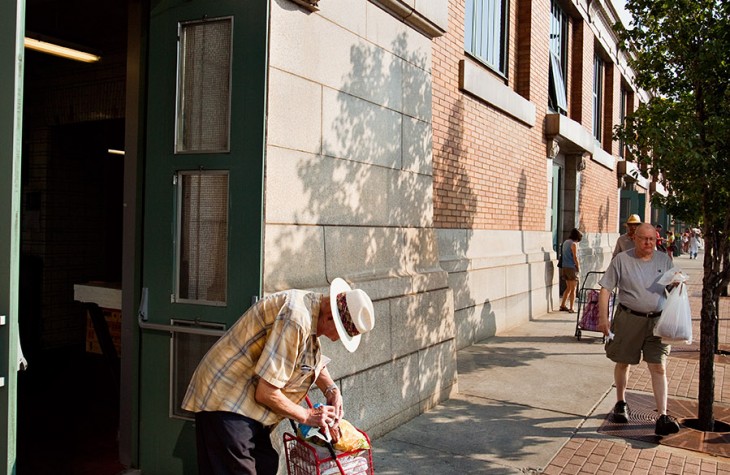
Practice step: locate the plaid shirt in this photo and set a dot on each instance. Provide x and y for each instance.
(274, 340)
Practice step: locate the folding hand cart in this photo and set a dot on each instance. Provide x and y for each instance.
(587, 315)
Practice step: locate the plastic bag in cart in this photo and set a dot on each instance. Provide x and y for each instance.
(350, 438)
(589, 320)
(352, 465)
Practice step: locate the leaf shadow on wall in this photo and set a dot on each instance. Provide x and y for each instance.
(368, 213)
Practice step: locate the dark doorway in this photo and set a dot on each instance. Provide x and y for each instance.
(69, 395)
(71, 233)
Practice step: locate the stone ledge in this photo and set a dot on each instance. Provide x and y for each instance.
(431, 19)
(475, 80)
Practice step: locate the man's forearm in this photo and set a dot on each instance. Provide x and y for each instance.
(324, 381)
(603, 298)
(272, 397)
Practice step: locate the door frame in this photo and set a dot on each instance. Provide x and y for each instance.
(135, 124)
(12, 56)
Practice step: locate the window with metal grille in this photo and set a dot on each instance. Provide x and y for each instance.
(202, 237)
(485, 32)
(203, 90)
(186, 351)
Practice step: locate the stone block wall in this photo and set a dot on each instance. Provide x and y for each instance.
(349, 193)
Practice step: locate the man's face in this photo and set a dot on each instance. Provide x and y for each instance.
(326, 322)
(645, 240)
(631, 229)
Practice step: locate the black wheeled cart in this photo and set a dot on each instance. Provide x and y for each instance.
(587, 315)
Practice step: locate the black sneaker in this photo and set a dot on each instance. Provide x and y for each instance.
(666, 425)
(621, 412)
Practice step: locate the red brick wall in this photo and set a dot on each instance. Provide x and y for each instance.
(598, 199)
(489, 168)
(582, 75)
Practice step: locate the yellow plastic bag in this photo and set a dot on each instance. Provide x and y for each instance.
(351, 438)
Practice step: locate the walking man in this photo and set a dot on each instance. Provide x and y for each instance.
(635, 273)
(626, 241)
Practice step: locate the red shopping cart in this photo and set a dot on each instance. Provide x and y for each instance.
(304, 458)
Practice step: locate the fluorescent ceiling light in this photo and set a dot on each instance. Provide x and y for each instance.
(115, 152)
(62, 51)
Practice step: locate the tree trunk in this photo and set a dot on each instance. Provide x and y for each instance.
(708, 330)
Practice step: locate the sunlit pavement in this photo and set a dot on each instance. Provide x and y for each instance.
(531, 400)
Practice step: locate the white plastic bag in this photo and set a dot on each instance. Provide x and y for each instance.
(673, 275)
(675, 323)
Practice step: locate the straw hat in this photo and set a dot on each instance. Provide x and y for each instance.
(353, 313)
(634, 219)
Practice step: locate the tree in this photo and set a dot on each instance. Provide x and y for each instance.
(681, 136)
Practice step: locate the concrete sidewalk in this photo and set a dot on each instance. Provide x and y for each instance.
(531, 401)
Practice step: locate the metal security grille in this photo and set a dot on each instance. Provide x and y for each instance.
(204, 78)
(202, 264)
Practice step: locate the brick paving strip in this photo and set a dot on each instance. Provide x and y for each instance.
(582, 455)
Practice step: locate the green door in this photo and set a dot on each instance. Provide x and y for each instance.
(203, 202)
(556, 206)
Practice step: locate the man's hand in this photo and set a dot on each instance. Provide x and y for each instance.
(603, 325)
(325, 418)
(334, 398)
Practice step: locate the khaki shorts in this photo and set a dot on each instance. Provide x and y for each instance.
(633, 336)
(568, 273)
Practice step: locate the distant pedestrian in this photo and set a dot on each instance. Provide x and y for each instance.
(626, 241)
(694, 245)
(670, 244)
(570, 269)
(660, 241)
(635, 273)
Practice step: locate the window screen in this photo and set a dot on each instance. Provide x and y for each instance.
(186, 351)
(202, 261)
(204, 77)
